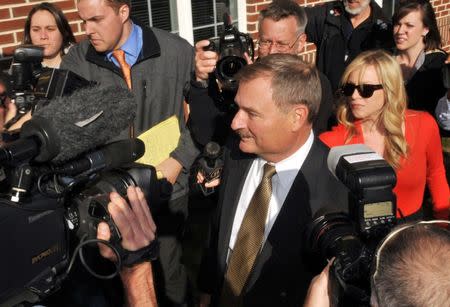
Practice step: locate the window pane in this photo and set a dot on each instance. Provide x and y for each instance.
(207, 16)
(163, 13)
(139, 11)
(203, 33)
(202, 12)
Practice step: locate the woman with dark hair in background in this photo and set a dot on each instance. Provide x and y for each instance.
(373, 112)
(418, 42)
(46, 26)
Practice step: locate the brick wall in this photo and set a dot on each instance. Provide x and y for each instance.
(13, 14)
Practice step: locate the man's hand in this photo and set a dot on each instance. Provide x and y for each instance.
(170, 168)
(133, 220)
(205, 61)
(318, 295)
(210, 184)
(138, 229)
(205, 300)
(9, 111)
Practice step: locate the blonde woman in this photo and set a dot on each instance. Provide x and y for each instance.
(373, 112)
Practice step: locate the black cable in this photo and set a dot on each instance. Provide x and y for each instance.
(78, 250)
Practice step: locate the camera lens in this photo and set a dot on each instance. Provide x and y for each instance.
(229, 66)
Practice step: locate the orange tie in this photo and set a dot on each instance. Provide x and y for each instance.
(119, 55)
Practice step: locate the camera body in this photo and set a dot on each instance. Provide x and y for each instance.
(31, 84)
(230, 46)
(42, 230)
(352, 237)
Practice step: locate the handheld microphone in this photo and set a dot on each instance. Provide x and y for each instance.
(210, 165)
(109, 156)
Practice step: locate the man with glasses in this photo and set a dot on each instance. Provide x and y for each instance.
(343, 29)
(281, 30)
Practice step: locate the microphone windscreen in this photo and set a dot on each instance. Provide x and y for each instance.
(88, 118)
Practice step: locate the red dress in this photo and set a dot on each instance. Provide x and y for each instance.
(423, 164)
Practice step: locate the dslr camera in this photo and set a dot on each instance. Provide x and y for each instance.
(230, 46)
(353, 238)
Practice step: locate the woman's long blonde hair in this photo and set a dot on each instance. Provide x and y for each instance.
(393, 111)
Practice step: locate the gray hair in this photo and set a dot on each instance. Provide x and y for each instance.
(292, 80)
(281, 9)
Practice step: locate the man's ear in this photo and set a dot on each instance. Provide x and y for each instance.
(124, 12)
(299, 116)
(301, 43)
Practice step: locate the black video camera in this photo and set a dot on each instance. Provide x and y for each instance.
(230, 46)
(352, 238)
(44, 232)
(31, 85)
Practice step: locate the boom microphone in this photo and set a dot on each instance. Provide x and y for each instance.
(88, 118)
(110, 156)
(71, 125)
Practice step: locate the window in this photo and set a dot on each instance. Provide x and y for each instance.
(201, 19)
(207, 17)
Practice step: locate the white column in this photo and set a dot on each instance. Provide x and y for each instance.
(184, 13)
(242, 15)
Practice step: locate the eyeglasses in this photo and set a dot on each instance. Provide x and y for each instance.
(364, 90)
(280, 46)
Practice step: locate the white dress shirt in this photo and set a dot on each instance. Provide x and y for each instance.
(287, 170)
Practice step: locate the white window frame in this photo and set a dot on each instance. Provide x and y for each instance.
(184, 15)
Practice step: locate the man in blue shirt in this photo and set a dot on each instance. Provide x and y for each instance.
(159, 64)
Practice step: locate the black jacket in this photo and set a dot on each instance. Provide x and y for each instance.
(330, 29)
(425, 87)
(282, 271)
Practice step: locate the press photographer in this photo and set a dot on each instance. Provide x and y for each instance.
(30, 85)
(281, 29)
(351, 239)
(410, 268)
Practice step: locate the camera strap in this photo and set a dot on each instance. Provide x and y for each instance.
(131, 258)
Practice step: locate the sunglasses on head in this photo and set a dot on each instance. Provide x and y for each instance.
(364, 90)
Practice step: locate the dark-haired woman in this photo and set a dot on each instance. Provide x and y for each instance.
(418, 52)
(46, 26)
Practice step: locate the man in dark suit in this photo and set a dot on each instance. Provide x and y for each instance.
(278, 100)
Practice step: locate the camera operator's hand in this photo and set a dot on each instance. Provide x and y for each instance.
(138, 229)
(248, 59)
(10, 112)
(133, 220)
(205, 61)
(318, 295)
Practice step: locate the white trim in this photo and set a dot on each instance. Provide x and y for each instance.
(184, 14)
(242, 15)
